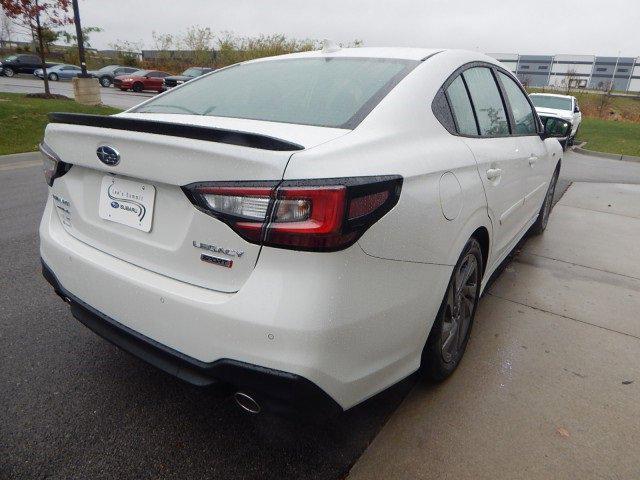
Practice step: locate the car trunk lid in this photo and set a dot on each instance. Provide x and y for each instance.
(162, 162)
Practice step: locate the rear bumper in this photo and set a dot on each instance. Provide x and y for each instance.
(278, 391)
(344, 324)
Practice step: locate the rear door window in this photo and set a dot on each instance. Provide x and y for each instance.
(492, 118)
(462, 109)
(523, 117)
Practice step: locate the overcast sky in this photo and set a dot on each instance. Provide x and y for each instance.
(602, 27)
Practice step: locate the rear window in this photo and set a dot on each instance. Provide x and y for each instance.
(328, 92)
(545, 101)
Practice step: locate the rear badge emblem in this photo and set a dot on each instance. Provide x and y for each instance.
(216, 249)
(108, 155)
(216, 260)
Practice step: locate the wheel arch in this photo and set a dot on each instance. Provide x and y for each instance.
(481, 234)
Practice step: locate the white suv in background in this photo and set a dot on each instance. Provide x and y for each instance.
(563, 106)
(309, 229)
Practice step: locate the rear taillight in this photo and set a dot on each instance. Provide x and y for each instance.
(52, 166)
(319, 215)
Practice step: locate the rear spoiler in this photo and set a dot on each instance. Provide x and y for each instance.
(208, 134)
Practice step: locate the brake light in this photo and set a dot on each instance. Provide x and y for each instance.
(319, 215)
(52, 166)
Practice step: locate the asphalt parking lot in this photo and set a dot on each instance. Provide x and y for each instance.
(73, 406)
(110, 96)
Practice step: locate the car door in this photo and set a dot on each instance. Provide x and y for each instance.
(30, 63)
(501, 164)
(154, 80)
(74, 71)
(19, 65)
(526, 131)
(66, 72)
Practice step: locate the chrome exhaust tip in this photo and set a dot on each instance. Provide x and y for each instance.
(247, 403)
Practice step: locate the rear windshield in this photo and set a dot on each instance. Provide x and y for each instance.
(328, 92)
(545, 101)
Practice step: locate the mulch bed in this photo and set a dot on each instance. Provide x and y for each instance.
(49, 96)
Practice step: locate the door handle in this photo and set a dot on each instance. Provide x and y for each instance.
(494, 173)
(532, 160)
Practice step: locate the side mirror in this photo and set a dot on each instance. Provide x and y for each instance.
(555, 127)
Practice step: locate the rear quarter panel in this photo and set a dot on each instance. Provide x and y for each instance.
(402, 136)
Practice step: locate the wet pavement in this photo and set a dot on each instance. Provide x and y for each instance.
(550, 382)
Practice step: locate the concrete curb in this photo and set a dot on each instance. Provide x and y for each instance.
(612, 156)
(18, 157)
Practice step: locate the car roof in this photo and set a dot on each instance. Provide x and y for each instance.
(405, 53)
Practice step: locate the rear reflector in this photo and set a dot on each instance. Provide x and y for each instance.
(316, 215)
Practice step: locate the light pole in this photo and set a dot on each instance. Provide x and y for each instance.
(86, 89)
(76, 18)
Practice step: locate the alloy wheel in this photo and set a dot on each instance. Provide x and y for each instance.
(459, 308)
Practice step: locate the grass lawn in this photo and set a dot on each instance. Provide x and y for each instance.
(610, 137)
(22, 120)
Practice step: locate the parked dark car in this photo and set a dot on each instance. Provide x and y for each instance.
(106, 74)
(21, 63)
(141, 80)
(188, 74)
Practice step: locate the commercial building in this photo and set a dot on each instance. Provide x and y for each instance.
(576, 71)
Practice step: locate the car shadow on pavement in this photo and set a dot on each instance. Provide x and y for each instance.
(91, 410)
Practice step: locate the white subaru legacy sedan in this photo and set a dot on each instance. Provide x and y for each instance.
(307, 229)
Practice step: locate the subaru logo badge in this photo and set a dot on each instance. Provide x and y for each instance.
(108, 155)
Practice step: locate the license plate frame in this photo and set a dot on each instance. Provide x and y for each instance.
(127, 202)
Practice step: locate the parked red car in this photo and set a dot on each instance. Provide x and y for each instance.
(141, 80)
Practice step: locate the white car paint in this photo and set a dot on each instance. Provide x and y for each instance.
(571, 114)
(354, 321)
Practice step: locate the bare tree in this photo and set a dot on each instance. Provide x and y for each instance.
(6, 30)
(605, 100)
(199, 41)
(570, 78)
(128, 52)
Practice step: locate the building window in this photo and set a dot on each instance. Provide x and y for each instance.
(524, 67)
(543, 67)
(623, 70)
(601, 69)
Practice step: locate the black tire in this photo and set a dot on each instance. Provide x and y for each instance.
(547, 204)
(137, 87)
(105, 81)
(8, 72)
(439, 361)
(53, 77)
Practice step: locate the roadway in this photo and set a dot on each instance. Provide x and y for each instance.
(112, 97)
(74, 406)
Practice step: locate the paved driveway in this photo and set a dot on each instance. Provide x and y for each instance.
(550, 383)
(73, 406)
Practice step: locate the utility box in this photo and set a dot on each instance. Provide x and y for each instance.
(86, 91)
